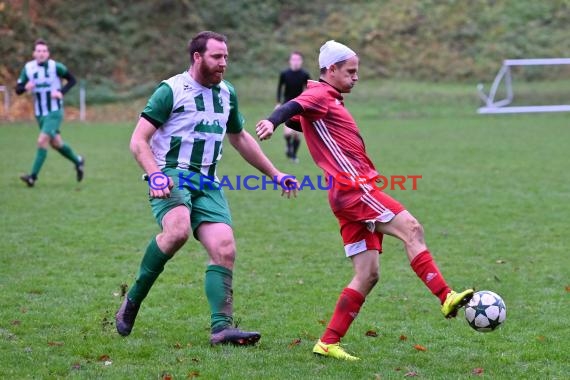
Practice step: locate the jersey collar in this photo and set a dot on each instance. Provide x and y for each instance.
(334, 92)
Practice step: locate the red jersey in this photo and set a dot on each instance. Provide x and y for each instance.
(334, 141)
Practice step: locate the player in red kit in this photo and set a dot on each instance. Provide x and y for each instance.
(365, 213)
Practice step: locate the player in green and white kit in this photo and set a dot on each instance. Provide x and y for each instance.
(41, 77)
(180, 133)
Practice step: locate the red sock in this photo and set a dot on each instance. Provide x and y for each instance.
(347, 308)
(429, 273)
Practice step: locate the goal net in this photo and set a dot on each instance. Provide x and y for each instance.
(532, 95)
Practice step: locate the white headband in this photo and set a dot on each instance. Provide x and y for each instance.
(333, 52)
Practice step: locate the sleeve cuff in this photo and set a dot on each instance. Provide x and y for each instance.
(157, 124)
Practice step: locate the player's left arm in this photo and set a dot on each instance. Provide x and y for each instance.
(250, 150)
(64, 73)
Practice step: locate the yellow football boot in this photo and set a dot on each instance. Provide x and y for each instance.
(333, 351)
(455, 301)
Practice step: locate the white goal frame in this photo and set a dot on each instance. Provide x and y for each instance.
(493, 106)
(6, 91)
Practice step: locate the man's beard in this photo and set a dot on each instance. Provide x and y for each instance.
(210, 74)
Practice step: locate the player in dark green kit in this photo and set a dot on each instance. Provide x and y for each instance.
(178, 140)
(42, 78)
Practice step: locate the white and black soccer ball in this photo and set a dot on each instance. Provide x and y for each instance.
(486, 311)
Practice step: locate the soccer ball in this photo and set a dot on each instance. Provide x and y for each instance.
(486, 311)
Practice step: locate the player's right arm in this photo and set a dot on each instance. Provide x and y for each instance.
(24, 84)
(140, 147)
(155, 114)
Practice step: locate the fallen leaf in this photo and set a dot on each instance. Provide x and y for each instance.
(397, 369)
(104, 358)
(419, 347)
(322, 322)
(567, 288)
(295, 342)
(500, 261)
(166, 376)
(411, 374)
(177, 345)
(193, 374)
(371, 333)
(541, 338)
(195, 360)
(477, 371)
(403, 337)
(51, 344)
(16, 322)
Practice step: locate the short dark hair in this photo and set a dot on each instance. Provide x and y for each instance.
(339, 64)
(40, 41)
(296, 52)
(198, 43)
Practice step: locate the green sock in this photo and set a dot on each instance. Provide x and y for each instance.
(41, 155)
(220, 296)
(68, 153)
(151, 267)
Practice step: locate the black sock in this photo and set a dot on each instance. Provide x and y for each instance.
(289, 140)
(296, 143)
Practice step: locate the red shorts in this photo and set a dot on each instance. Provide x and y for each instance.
(357, 221)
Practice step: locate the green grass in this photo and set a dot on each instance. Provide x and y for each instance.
(493, 188)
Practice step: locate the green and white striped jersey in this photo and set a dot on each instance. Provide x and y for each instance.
(191, 122)
(46, 77)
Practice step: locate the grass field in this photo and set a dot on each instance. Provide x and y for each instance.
(494, 200)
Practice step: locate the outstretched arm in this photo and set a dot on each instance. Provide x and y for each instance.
(250, 150)
(265, 128)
